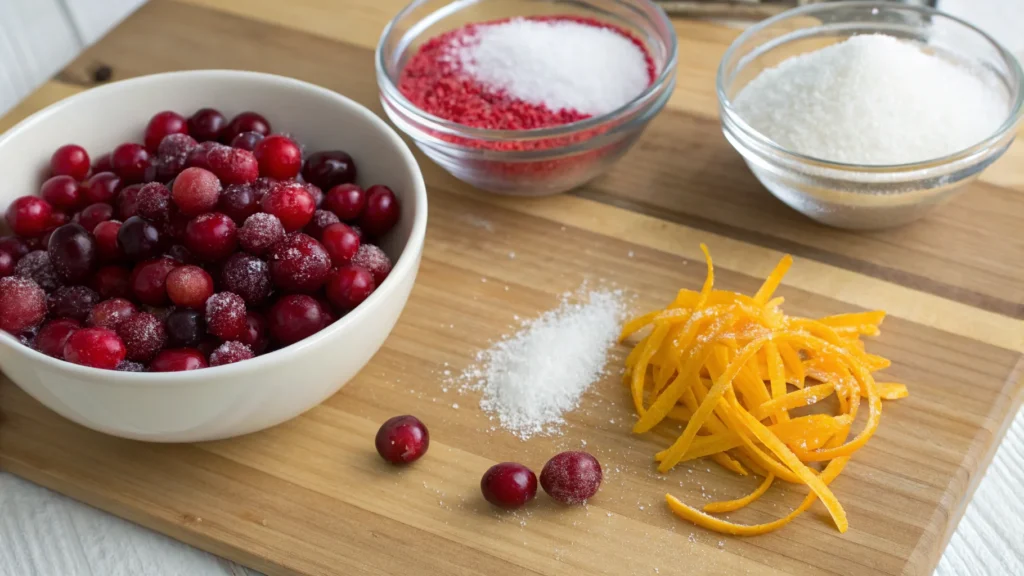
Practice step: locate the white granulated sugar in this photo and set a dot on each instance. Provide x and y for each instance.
(533, 377)
(560, 64)
(873, 99)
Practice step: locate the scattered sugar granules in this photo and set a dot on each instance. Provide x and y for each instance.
(533, 377)
(873, 99)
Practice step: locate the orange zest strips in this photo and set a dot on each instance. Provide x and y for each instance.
(733, 505)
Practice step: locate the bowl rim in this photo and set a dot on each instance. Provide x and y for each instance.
(405, 265)
(1014, 113)
(390, 90)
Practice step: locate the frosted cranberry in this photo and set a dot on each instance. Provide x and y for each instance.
(262, 186)
(148, 281)
(374, 259)
(172, 155)
(229, 353)
(95, 347)
(247, 276)
(53, 335)
(198, 157)
(245, 122)
(189, 287)
(101, 187)
(571, 477)
(341, 243)
(233, 165)
(143, 335)
(73, 302)
(321, 219)
(185, 328)
(225, 316)
(509, 485)
(329, 168)
(154, 202)
(299, 264)
(36, 266)
(30, 216)
(107, 248)
(196, 191)
(128, 202)
(111, 282)
(14, 246)
(102, 164)
(6, 264)
(347, 201)
(315, 192)
(110, 313)
(260, 232)
(72, 253)
(181, 254)
(22, 304)
(70, 160)
(129, 366)
(62, 192)
(206, 124)
(257, 337)
(178, 360)
(381, 213)
(130, 161)
(238, 201)
(211, 237)
(402, 439)
(291, 203)
(294, 317)
(246, 140)
(163, 124)
(139, 239)
(93, 214)
(279, 157)
(348, 287)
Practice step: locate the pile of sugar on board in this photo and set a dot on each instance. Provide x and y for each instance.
(873, 99)
(531, 378)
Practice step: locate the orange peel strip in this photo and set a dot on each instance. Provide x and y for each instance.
(733, 505)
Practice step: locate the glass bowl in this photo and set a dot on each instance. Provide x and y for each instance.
(859, 196)
(525, 162)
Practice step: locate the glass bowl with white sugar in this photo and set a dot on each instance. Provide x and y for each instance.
(866, 115)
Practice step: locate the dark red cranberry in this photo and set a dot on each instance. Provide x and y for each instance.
(225, 316)
(211, 237)
(128, 202)
(143, 335)
(73, 253)
(381, 213)
(347, 201)
(206, 124)
(374, 259)
(178, 360)
(247, 276)
(22, 304)
(238, 201)
(93, 214)
(246, 140)
(36, 266)
(6, 264)
(262, 186)
(181, 254)
(257, 338)
(101, 187)
(111, 282)
(107, 248)
(329, 168)
(245, 122)
(509, 485)
(341, 243)
(315, 192)
(329, 316)
(163, 124)
(233, 165)
(73, 302)
(174, 228)
(95, 347)
(30, 216)
(53, 335)
(299, 264)
(172, 155)
(321, 219)
(154, 202)
(139, 239)
(295, 317)
(229, 353)
(110, 313)
(14, 246)
(348, 287)
(402, 439)
(129, 366)
(279, 157)
(102, 164)
(62, 192)
(189, 287)
(198, 157)
(58, 219)
(185, 328)
(196, 191)
(70, 160)
(130, 161)
(149, 281)
(291, 203)
(571, 477)
(260, 232)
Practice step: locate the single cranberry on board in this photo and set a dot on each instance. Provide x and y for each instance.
(22, 304)
(161, 125)
(53, 335)
(206, 124)
(29, 216)
(509, 485)
(101, 187)
(402, 439)
(62, 192)
(178, 360)
(233, 165)
(571, 477)
(70, 160)
(95, 347)
(109, 313)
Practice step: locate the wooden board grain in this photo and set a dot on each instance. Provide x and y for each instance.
(311, 497)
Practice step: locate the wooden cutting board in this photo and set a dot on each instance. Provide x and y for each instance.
(311, 497)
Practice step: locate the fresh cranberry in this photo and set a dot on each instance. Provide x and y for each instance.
(22, 304)
(101, 187)
(291, 203)
(129, 366)
(128, 202)
(198, 157)
(347, 201)
(348, 287)
(30, 216)
(111, 282)
(95, 347)
(257, 337)
(294, 317)
(238, 201)
(196, 191)
(102, 164)
(139, 239)
(143, 335)
(149, 281)
(321, 219)
(381, 213)
(154, 202)
(329, 168)
(175, 226)
(130, 161)
(93, 214)
(373, 259)
(73, 302)
(14, 246)
(6, 264)
(211, 237)
(36, 266)
(225, 316)
(57, 219)
(185, 328)
(260, 232)
(178, 360)
(206, 124)
(509, 485)
(245, 122)
(341, 243)
(62, 192)
(571, 477)
(53, 335)
(358, 231)
(229, 353)
(70, 160)
(247, 140)
(233, 165)
(247, 276)
(163, 124)
(279, 157)
(402, 439)
(189, 287)
(110, 313)
(107, 248)
(299, 264)
(72, 253)
(329, 316)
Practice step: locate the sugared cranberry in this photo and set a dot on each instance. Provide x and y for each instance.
(260, 232)
(110, 313)
(347, 201)
(73, 253)
(62, 192)
(102, 164)
(178, 360)
(299, 264)
(349, 286)
(238, 201)
(95, 347)
(30, 216)
(374, 259)
(279, 157)
(129, 366)
(172, 155)
(53, 335)
(341, 243)
(149, 281)
(291, 203)
(245, 122)
(22, 304)
(143, 335)
(211, 237)
(321, 219)
(247, 276)
(402, 439)
(247, 140)
(509, 485)
(571, 477)
(229, 353)
(233, 165)
(6, 264)
(154, 202)
(93, 214)
(111, 282)
(36, 266)
(257, 337)
(381, 213)
(294, 317)
(70, 160)
(73, 302)
(14, 246)
(206, 124)
(163, 124)
(329, 168)
(185, 328)
(128, 202)
(315, 192)
(139, 239)
(189, 287)
(225, 316)
(196, 191)
(130, 161)
(262, 186)
(101, 187)
(198, 157)
(107, 248)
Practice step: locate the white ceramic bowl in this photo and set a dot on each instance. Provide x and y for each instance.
(248, 396)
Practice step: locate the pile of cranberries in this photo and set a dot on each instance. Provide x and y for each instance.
(212, 242)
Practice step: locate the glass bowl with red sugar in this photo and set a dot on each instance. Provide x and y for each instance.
(469, 113)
